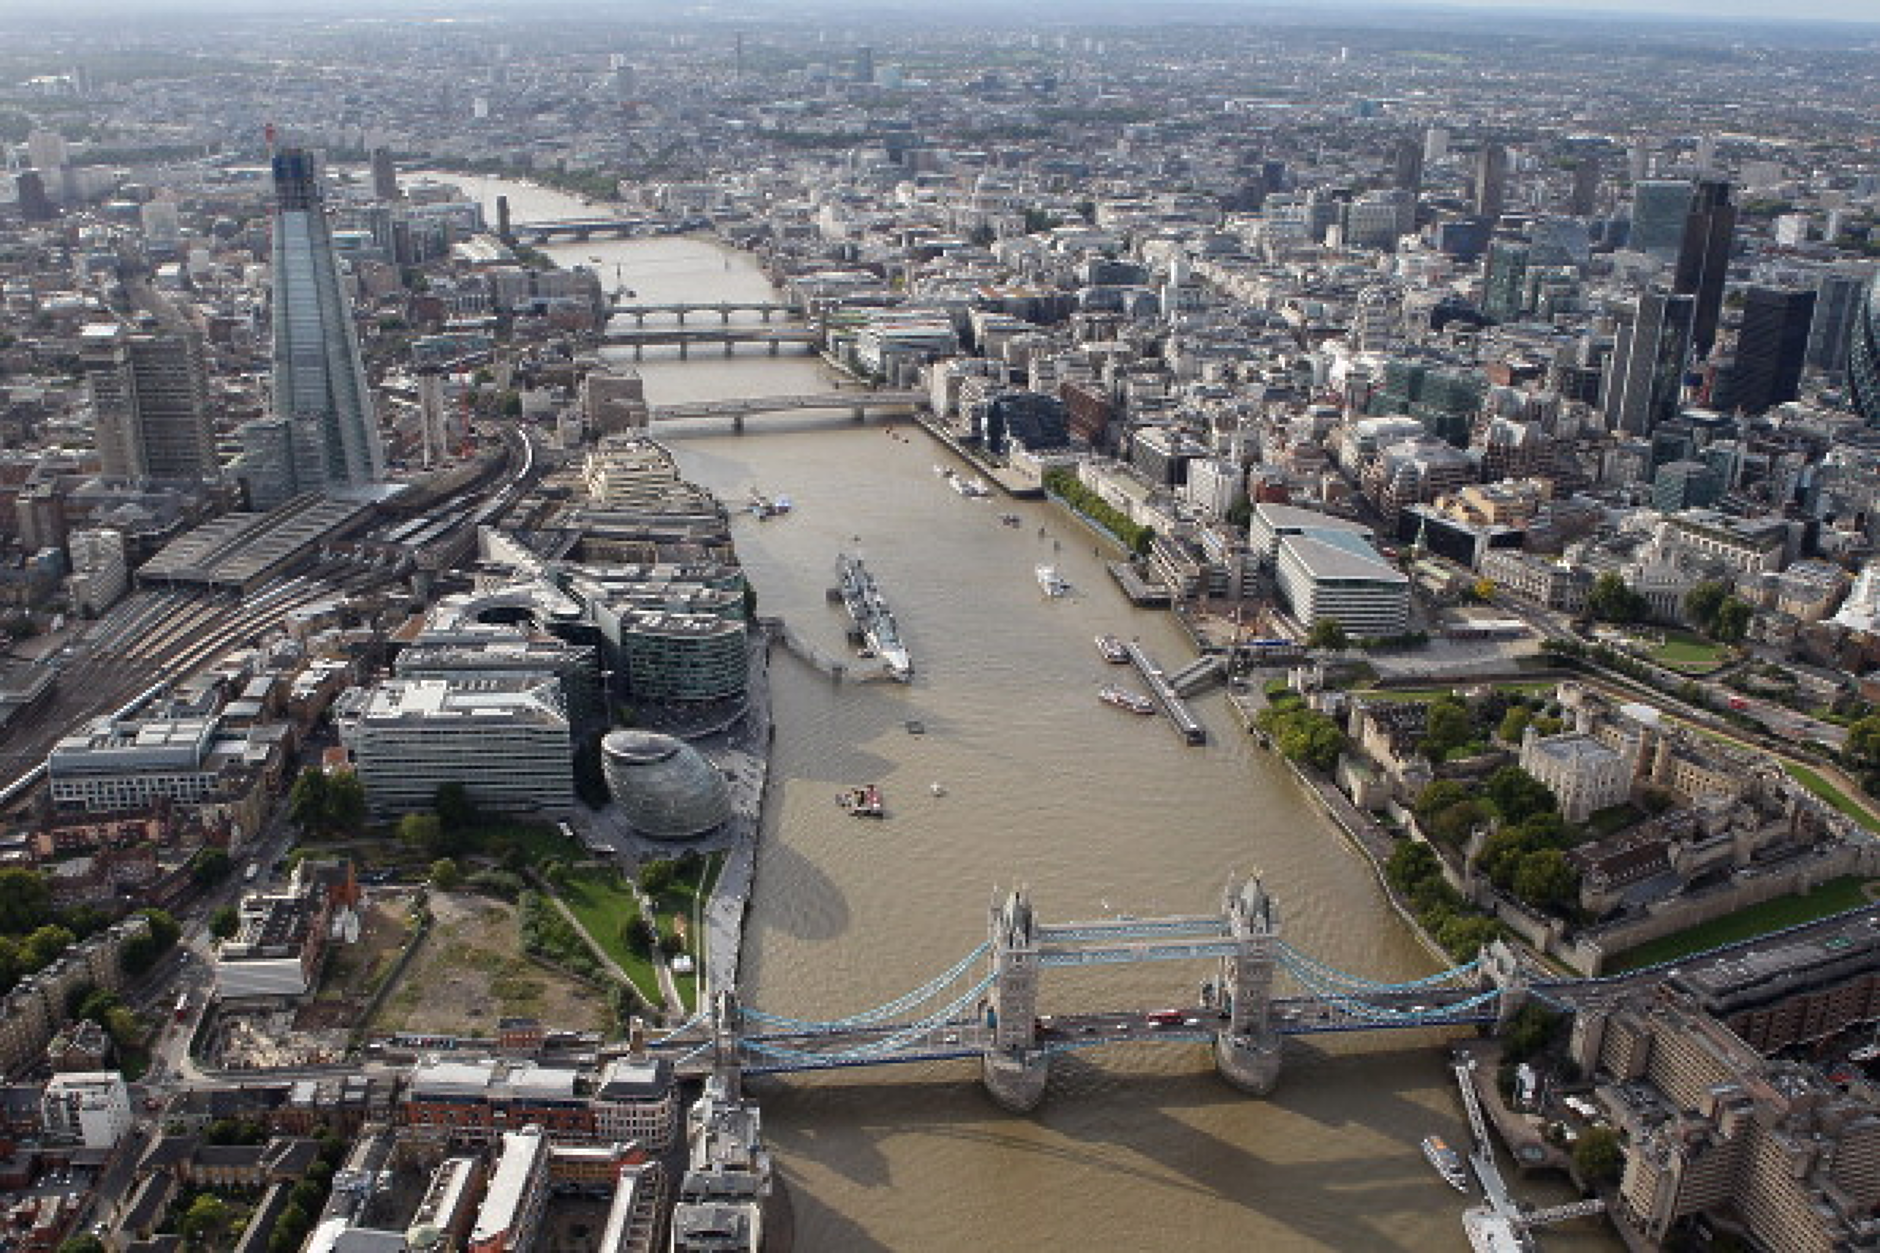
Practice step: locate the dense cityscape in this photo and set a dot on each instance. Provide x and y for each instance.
(472, 484)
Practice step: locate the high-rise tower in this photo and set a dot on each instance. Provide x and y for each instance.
(1491, 180)
(1863, 355)
(149, 393)
(1703, 258)
(319, 378)
(1771, 347)
(1645, 378)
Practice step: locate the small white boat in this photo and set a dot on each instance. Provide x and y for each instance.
(1051, 582)
(1447, 1161)
(936, 789)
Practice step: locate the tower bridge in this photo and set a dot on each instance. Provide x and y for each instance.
(986, 1005)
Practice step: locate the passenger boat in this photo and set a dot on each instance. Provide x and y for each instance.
(1123, 698)
(936, 789)
(1051, 582)
(1447, 1161)
(1113, 650)
(862, 802)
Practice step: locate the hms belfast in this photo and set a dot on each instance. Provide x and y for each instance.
(873, 618)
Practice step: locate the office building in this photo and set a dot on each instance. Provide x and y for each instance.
(99, 573)
(1504, 279)
(1329, 576)
(319, 378)
(149, 394)
(1863, 355)
(1838, 294)
(1771, 347)
(637, 1100)
(1660, 209)
(518, 1193)
(92, 1108)
(1583, 199)
(1491, 181)
(1407, 166)
(1684, 485)
(1645, 378)
(1704, 259)
(506, 740)
(1714, 1128)
(384, 175)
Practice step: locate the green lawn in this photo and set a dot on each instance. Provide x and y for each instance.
(1832, 897)
(604, 907)
(1831, 794)
(1689, 653)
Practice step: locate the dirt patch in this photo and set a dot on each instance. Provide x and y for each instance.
(470, 972)
(354, 970)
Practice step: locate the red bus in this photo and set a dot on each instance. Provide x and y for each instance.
(182, 1007)
(1168, 1018)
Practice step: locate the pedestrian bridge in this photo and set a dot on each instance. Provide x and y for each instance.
(985, 1006)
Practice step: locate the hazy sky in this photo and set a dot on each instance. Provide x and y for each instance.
(1760, 11)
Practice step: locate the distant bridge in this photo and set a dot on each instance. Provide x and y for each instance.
(858, 403)
(641, 338)
(581, 228)
(723, 308)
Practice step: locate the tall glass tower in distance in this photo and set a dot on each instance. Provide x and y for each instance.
(320, 393)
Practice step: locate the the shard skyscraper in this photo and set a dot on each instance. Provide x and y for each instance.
(324, 437)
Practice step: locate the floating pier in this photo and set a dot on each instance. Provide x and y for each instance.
(1165, 696)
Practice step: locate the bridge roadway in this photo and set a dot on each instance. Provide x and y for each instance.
(883, 1044)
(724, 309)
(855, 401)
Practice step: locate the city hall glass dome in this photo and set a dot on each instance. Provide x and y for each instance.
(665, 788)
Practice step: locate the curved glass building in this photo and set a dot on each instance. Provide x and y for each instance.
(1863, 356)
(665, 788)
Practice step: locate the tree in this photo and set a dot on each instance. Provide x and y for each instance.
(1598, 1156)
(1702, 602)
(345, 802)
(206, 1217)
(656, 877)
(1328, 633)
(1863, 739)
(444, 874)
(1447, 727)
(454, 806)
(1484, 589)
(1528, 1032)
(1732, 621)
(210, 866)
(25, 900)
(1438, 796)
(1610, 600)
(224, 922)
(43, 946)
(1546, 880)
(83, 1244)
(1454, 825)
(422, 833)
(1518, 795)
(306, 801)
(1514, 724)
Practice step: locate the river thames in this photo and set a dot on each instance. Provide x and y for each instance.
(1097, 812)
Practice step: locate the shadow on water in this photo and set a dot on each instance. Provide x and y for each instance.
(1137, 1117)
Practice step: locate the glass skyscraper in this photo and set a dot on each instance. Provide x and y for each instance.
(1863, 356)
(1659, 210)
(320, 389)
